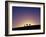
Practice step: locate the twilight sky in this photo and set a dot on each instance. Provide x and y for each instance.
(25, 15)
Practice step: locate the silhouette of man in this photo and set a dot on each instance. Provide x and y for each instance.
(29, 24)
(26, 24)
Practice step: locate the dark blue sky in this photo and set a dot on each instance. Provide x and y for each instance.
(23, 14)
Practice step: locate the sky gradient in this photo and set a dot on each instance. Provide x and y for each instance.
(25, 15)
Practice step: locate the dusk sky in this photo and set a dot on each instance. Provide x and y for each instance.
(25, 15)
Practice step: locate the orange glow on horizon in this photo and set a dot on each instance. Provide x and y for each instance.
(24, 22)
